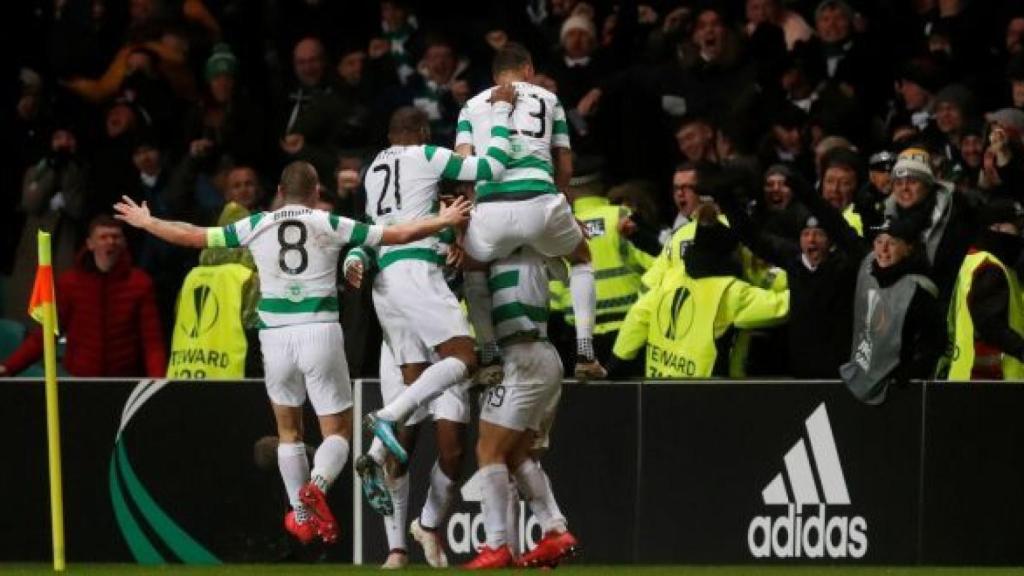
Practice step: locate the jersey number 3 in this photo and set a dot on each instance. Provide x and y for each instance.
(540, 116)
(386, 169)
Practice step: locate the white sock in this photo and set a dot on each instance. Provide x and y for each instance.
(394, 525)
(431, 384)
(294, 467)
(377, 451)
(439, 498)
(536, 487)
(478, 298)
(494, 504)
(512, 519)
(584, 306)
(328, 461)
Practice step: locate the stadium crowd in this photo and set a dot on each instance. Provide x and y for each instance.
(831, 159)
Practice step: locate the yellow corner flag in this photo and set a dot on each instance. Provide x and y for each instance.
(43, 307)
(42, 289)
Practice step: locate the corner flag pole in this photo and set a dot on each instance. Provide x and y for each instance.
(43, 301)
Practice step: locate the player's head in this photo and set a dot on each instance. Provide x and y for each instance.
(299, 184)
(512, 62)
(409, 126)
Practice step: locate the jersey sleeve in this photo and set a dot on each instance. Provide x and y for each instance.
(352, 233)
(235, 234)
(443, 163)
(559, 128)
(464, 128)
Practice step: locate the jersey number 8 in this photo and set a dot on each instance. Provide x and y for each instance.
(295, 244)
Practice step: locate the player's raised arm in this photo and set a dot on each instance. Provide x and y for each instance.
(452, 214)
(180, 233)
(443, 163)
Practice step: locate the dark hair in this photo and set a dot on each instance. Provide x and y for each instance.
(408, 120)
(299, 180)
(104, 221)
(512, 56)
(844, 158)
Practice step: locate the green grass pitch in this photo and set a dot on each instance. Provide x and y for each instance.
(346, 570)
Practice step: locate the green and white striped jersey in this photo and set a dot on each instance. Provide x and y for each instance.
(296, 252)
(519, 296)
(402, 184)
(536, 126)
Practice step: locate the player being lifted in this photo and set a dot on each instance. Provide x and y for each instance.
(516, 415)
(420, 316)
(296, 250)
(525, 205)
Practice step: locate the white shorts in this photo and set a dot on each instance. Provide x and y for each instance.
(546, 223)
(307, 359)
(530, 390)
(417, 310)
(451, 405)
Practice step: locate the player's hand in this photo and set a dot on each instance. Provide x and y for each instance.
(583, 228)
(354, 273)
(293, 143)
(455, 213)
(456, 255)
(131, 213)
(503, 93)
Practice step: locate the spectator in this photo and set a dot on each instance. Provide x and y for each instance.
(1002, 171)
(226, 125)
(439, 89)
(780, 213)
(899, 329)
(773, 13)
(107, 310)
(309, 115)
(986, 319)
(399, 39)
(840, 180)
(695, 138)
(577, 71)
(53, 198)
(945, 217)
(821, 272)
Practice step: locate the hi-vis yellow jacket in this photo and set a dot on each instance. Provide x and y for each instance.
(617, 265)
(681, 319)
(968, 357)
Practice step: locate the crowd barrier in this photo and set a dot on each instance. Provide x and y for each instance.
(647, 472)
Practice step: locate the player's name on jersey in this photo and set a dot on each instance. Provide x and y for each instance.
(282, 214)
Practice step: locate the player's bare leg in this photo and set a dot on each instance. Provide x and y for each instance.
(458, 362)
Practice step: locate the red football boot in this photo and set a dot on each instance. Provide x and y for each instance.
(552, 549)
(490, 558)
(304, 532)
(322, 518)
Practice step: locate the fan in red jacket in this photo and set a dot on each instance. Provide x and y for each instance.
(107, 309)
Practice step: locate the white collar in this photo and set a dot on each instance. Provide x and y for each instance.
(570, 62)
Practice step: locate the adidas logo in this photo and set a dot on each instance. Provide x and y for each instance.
(807, 530)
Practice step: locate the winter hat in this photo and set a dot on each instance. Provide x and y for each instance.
(914, 163)
(957, 94)
(906, 229)
(881, 161)
(222, 61)
(923, 71)
(577, 22)
(1011, 118)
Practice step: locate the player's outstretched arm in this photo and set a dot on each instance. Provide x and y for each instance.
(180, 233)
(453, 214)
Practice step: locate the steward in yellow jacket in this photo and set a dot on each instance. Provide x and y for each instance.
(684, 319)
